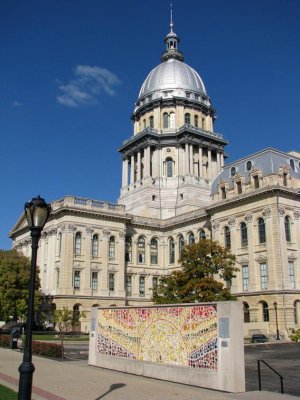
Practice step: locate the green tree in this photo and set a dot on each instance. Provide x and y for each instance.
(64, 320)
(202, 263)
(14, 285)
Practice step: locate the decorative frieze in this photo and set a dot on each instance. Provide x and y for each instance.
(262, 258)
(249, 217)
(231, 221)
(266, 212)
(89, 230)
(296, 214)
(281, 211)
(216, 225)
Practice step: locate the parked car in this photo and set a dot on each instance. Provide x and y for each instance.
(259, 338)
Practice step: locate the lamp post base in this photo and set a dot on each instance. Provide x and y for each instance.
(26, 370)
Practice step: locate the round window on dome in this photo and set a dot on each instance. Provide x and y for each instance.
(292, 164)
(248, 165)
(233, 171)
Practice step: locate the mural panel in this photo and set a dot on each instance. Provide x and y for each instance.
(183, 335)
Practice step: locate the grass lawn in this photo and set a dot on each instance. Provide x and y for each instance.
(7, 394)
(54, 338)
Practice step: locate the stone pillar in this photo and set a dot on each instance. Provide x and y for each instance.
(222, 161)
(67, 260)
(160, 163)
(177, 162)
(186, 158)
(120, 250)
(132, 170)
(218, 162)
(200, 163)
(147, 174)
(138, 166)
(191, 160)
(209, 169)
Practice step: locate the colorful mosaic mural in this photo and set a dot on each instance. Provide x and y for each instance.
(183, 335)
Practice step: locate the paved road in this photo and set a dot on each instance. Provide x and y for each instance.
(283, 357)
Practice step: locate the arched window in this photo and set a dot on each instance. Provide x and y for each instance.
(180, 244)
(112, 248)
(265, 311)
(95, 245)
(144, 123)
(141, 250)
(76, 316)
(166, 120)
(191, 238)
(261, 230)
(287, 227)
(244, 234)
(128, 249)
(227, 237)
(246, 310)
(202, 235)
(154, 251)
(296, 311)
(187, 118)
(172, 120)
(78, 244)
(171, 251)
(169, 167)
(151, 121)
(196, 121)
(292, 164)
(59, 238)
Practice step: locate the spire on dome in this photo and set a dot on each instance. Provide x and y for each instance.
(172, 41)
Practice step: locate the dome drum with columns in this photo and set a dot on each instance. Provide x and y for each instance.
(173, 155)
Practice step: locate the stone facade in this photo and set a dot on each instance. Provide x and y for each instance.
(176, 190)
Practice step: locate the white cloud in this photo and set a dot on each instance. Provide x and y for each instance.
(88, 84)
(17, 103)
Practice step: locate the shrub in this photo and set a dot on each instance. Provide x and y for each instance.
(46, 349)
(4, 341)
(295, 334)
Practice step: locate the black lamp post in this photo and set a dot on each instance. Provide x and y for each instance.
(37, 213)
(277, 331)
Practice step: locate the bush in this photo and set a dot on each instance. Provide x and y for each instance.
(295, 335)
(46, 349)
(4, 341)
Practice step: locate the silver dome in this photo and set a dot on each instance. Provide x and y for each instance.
(172, 75)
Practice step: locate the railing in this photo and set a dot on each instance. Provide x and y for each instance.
(272, 369)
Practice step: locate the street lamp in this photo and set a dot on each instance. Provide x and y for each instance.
(37, 212)
(277, 331)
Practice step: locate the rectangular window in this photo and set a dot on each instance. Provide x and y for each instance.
(223, 192)
(142, 286)
(111, 282)
(292, 274)
(94, 282)
(76, 280)
(263, 276)
(239, 187)
(256, 182)
(245, 272)
(154, 282)
(57, 278)
(128, 285)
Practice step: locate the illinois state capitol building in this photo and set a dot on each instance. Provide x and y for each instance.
(177, 190)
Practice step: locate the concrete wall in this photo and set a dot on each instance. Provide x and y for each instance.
(194, 344)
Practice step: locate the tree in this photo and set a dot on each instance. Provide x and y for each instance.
(14, 285)
(201, 264)
(64, 321)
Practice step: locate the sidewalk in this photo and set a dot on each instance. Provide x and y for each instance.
(75, 380)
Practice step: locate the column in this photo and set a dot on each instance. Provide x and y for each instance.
(191, 160)
(200, 162)
(160, 163)
(186, 158)
(138, 166)
(132, 170)
(218, 162)
(209, 171)
(148, 161)
(222, 161)
(177, 161)
(125, 173)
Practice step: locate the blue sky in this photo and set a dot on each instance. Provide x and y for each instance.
(71, 72)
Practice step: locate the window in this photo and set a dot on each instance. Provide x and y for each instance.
(232, 171)
(265, 311)
(144, 123)
(95, 245)
(227, 238)
(292, 164)
(171, 251)
(244, 234)
(256, 182)
(248, 165)
(78, 244)
(292, 274)
(196, 121)
(128, 249)
(245, 274)
(180, 244)
(261, 231)
(111, 282)
(94, 281)
(223, 192)
(154, 282)
(76, 283)
(296, 311)
(203, 123)
(191, 238)
(151, 121)
(169, 167)
(187, 118)
(59, 243)
(188, 95)
(57, 278)
(128, 285)
(141, 250)
(111, 248)
(246, 310)
(263, 276)
(166, 120)
(239, 187)
(202, 235)
(172, 120)
(154, 251)
(142, 286)
(287, 228)
(285, 183)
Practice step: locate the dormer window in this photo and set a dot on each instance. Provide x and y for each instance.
(248, 165)
(239, 187)
(256, 181)
(232, 171)
(223, 192)
(188, 95)
(285, 182)
(292, 164)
